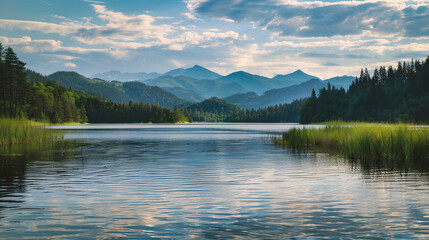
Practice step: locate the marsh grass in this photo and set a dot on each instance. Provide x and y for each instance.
(390, 146)
(18, 136)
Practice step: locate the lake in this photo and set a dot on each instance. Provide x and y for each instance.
(203, 181)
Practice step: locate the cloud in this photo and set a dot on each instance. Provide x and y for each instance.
(62, 29)
(176, 63)
(324, 19)
(120, 32)
(341, 44)
(69, 64)
(332, 55)
(28, 45)
(410, 48)
(60, 56)
(190, 16)
(94, 1)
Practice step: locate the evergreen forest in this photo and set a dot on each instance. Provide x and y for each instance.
(399, 94)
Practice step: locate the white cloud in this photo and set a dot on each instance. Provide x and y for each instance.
(190, 16)
(69, 64)
(120, 33)
(60, 56)
(28, 45)
(176, 63)
(340, 44)
(94, 1)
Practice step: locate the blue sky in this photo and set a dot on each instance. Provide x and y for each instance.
(322, 37)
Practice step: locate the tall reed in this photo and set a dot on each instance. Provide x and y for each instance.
(18, 134)
(373, 145)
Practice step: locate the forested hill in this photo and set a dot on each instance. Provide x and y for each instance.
(220, 110)
(389, 95)
(212, 110)
(282, 113)
(27, 94)
(117, 91)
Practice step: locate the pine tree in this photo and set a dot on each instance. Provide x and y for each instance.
(3, 99)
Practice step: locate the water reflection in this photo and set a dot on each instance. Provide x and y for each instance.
(206, 183)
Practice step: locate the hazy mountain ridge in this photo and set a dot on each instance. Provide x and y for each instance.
(206, 88)
(196, 83)
(196, 71)
(188, 95)
(287, 94)
(290, 79)
(117, 91)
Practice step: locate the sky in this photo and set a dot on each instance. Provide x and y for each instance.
(325, 38)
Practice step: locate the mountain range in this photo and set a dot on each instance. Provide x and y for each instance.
(287, 94)
(180, 87)
(196, 79)
(117, 91)
(206, 88)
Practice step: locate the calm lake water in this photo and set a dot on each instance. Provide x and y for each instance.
(203, 181)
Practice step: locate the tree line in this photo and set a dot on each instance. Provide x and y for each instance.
(281, 113)
(399, 94)
(27, 94)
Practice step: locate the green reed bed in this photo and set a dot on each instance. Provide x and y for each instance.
(17, 135)
(374, 145)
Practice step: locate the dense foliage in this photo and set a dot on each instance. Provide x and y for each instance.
(390, 95)
(101, 111)
(282, 113)
(212, 110)
(35, 100)
(220, 110)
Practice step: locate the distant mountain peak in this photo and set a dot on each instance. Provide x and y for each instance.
(196, 71)
(198, 66)
(299, 71)
(239, 73)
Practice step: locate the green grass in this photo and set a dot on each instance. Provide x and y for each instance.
(393, 146)
(17, 135)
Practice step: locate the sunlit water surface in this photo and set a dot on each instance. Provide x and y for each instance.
(204, 181)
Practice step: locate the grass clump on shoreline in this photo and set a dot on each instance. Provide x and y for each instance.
(393, 146)
(17, 134)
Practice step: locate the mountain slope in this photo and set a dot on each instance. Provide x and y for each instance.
(343, 81)
(196, 71)
(206, 88)
(290, 79)
(287, 94)
(118, 92)
(252, 82)
(185, 94)
(242, 99)
(277, 96)
(111, 90)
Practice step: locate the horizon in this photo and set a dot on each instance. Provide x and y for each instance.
(165, 73)
(325, 38)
